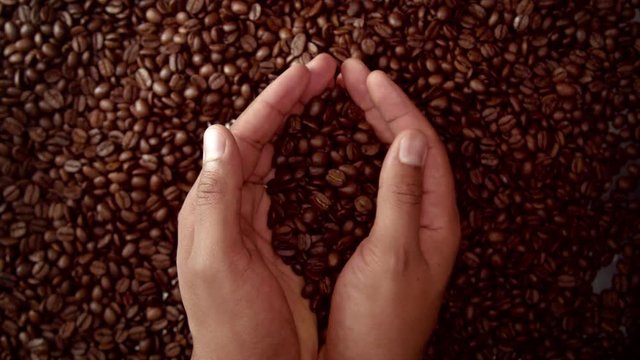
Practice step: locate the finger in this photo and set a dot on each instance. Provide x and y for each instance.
(354, 74)
(439, 215)
(185, 231)
(263, 165)
(397, 221)
(257, 125)
(440, 224)
(396, 109)
(186, 225)
(322, 70)
(321, 76)
(217, 199)
(260, 221)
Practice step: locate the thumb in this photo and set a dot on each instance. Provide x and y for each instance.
(218, 197)
(397, 221)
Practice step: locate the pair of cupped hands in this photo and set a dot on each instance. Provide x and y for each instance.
(243, 302)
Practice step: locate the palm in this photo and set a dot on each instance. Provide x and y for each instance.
(253, 131)
(274, 279)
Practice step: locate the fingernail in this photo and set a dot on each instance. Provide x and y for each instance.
(214, 144)
(413, 148)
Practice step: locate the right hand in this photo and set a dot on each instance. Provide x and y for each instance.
(242, 301)
(386, 300)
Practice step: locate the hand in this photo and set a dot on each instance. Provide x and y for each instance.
(386, 300)
(242, 301)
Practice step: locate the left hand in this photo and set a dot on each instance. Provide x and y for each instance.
(242, 301)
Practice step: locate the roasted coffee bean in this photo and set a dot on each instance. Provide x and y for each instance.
(320, 201)
(363, 204)
(336, 177)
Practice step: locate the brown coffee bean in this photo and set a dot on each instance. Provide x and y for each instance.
(320, 201)
(336, 177)
(31, 194)
(566, 281)
(194, 6)
(363, 204)
(140, 109)
(319, 158)
(105, 149)
(143, 78)
(65, 234)
(18, 229)
(54, 98)
(11, 193)
(565, 89)
(72, 166)
(318, 142)
(370, 149)
(298, 44)
(216, 81)
(477, 86)
(102, 90)
(239, 7)
(361, 137)
(354, 152)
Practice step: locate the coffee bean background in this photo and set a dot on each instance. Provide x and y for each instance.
(327, 163)
(103, 105)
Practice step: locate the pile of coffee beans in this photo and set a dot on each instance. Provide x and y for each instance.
(103, 104)
(324, 192)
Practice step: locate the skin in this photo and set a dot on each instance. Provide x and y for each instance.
(243, 302)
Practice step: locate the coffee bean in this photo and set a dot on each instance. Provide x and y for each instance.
(353, 152)
(363, 204)
(54, 98)
(65, 234)
(318, 142)
(216, 81)
(11, 193)
(336, 177)
(566, 281)
(239, 7)
(143, 78)
(320, 201)
(565, 89)
(72, 166)
(140, 108)
(298, 44)
(105, 149)
(370, 149)
(248, 43)
(18, 229)
(31, 194)
(477, 86)
(194, 6)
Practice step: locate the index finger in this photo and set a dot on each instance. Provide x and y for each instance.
(259, 122)
(257, 125)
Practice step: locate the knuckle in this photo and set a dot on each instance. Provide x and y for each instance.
(391, 262)
(407, 193)
(370, 256)
(198, 271)
(211, 187)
